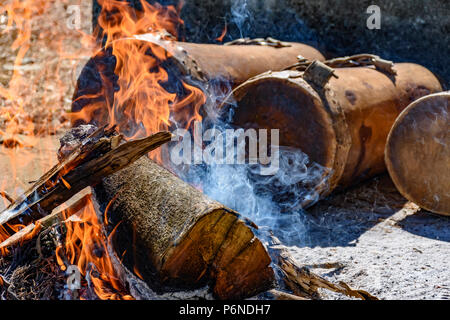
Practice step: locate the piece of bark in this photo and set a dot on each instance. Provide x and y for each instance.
(176, 238)
(280, 295)
(304, 283)
(97, 156)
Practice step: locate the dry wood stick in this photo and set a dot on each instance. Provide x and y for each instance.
(43, 224)
(96, 157)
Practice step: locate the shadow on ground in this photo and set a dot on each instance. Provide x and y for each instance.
(342, 218)
(428, 225)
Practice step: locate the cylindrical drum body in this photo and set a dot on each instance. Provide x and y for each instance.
(137, 66)
(341, 126)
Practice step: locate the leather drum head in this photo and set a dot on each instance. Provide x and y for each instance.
(418, 153)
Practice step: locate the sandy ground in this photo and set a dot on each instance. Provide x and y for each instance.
(383, 243)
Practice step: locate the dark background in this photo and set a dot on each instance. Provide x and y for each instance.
(411, 30)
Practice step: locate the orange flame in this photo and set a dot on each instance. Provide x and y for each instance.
(141, 105)
(86, 247)
(223, 34)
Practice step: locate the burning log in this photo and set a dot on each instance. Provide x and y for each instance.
(418, 154)
(204, 66)
(340, 123)
(174, 237)
(96, 156)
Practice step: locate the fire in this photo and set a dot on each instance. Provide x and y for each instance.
(85, 246)
(5, 234)
(141, 106)
(223, 34)
(33, 103)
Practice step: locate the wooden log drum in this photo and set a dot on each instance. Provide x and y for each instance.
(342, 126)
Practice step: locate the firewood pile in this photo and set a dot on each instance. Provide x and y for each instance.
(214, 244)
(115, 218)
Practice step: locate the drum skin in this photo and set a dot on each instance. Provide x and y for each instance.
(418, 153)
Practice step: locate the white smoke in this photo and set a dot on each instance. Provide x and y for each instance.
(273, 202)
(240, 15)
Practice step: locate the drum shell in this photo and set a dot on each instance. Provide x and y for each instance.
(200, 65)
(342, 126)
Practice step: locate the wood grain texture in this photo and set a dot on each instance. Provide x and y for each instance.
(175, 237)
